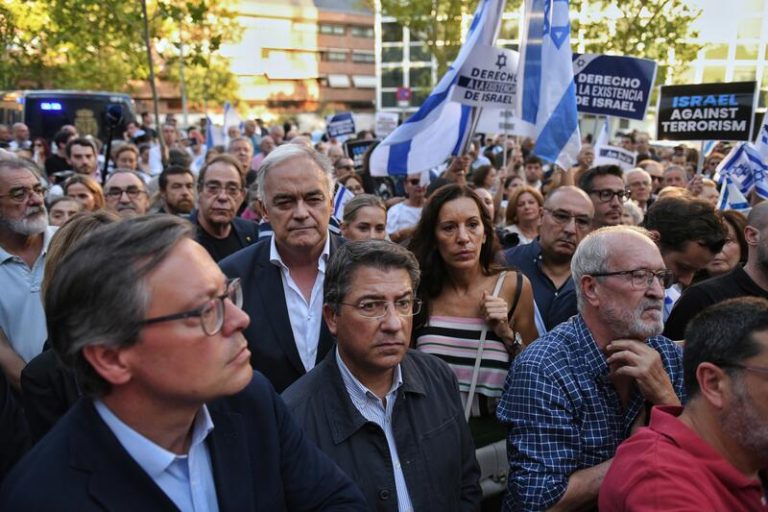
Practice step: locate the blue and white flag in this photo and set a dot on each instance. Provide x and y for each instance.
(761, 144)
(231, 118)
(440, 127)
(731, 198)
(342, 197)
(746, 169)
(546, 90)
(213, 134)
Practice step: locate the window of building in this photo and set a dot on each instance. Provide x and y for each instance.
(334, 56)
(363, 57)
(392, 54)
(744, 73)
(749, 27)
(716, 51)
(388, 99)
(510, 29)
(420, 53)
(391, 33)
(713, 74)
(420, 77)
(331, 29)
(359, 31)
(392, 77)
(746, 51)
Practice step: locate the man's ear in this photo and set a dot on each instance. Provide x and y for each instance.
(263, 208)
(329, 315)
(752, 235)
(108, 362)
(714, 384)
(589, 289)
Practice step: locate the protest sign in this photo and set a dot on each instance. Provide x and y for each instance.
(612, 155)
(355, 149)
(488, 78)
(340, 126)
(611, 85)
(721, 111)
(386, 122)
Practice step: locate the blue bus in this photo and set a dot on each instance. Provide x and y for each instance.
(46, 111)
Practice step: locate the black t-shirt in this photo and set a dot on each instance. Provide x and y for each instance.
(55, 163)
(735, 283)
(219, 248)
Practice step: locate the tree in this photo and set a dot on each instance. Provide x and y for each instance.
(97, 44)
(654, 29)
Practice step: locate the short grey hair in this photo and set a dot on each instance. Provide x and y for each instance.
(98, 294)
(380, 254)
(592, 254)
(125, 171)
(238, 139)
(13, 163)
(287, 152)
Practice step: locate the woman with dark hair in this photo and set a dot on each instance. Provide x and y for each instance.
(353, 183)
(467, 302)
(733, 253)
(41, 150)
(485, 177)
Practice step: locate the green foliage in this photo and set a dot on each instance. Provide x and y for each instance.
(653, 29)
(99, 44)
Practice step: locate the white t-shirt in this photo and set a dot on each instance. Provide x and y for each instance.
(402, 216)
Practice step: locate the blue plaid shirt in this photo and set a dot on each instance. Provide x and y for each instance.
(563, 412)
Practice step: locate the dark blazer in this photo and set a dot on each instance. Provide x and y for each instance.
(261, 462)
(247, 231)
(270, 337)
(433, 440)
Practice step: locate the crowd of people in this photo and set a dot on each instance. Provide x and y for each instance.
(186, 327)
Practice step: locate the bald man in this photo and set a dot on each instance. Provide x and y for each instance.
(749, 280)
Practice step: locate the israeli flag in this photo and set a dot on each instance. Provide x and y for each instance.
(213, 135)
(231, 118)
(440, 127)
(731, 198)
(342, 197)
(603, 137)
(761, 144)
(547, 92)
(745, 168)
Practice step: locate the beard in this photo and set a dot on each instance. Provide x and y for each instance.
(631, 324)
(35, 221)
(744, 424)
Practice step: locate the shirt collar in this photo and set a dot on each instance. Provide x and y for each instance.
(152, 458)
(277, 260)
(47, 235)
(357, 388)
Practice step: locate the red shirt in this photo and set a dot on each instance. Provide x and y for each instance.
(668, 467)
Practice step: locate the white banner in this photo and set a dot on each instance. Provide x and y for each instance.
(488, 78)
(386, 122)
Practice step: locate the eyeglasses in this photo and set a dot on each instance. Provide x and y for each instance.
(642, 278)
(117, 192)
(607, 194)
(21, 194)
(214, 188)
(211, 313)
(563, 218)
(754, 369)
(380, 308)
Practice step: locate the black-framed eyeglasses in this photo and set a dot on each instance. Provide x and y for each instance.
(606, 194)
(211, 313)
(563, 217)
(214, 188)
(642, 278)
(117, 192)
(21, 194)
(379, 308)
(761, 370)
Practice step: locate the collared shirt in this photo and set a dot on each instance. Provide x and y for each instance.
(186, 479)
(22, 317)
(669, 466)
(551, 305)
(306, 317)
(563, 411)
(372, 409)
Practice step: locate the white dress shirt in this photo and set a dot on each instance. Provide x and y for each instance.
(306, 317)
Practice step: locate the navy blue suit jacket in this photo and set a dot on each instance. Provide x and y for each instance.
(261, 462)
(246, 231)
(270, 337)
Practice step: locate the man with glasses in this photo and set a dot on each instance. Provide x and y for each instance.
(126, 194)
(403, 217)
(24, 238)
(566, 218)
(221, 191)
(605, 186)
(390, 417)
(640, 185)
(283, 275)
(174, 418)
(575, 393)
(711, 454)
